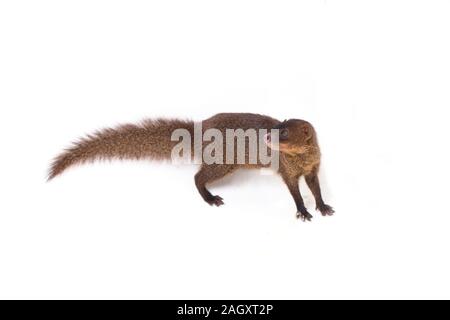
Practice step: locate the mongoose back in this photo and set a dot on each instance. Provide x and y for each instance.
(298, 149)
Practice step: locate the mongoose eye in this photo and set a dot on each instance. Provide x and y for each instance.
(284, 133)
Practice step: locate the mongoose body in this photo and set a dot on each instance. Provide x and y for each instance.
(298, 149)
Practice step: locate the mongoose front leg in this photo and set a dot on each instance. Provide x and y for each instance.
(293, 186)
(313, 183)
(207, 174)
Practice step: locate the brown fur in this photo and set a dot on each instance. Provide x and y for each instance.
(299, 151)
(147, 140)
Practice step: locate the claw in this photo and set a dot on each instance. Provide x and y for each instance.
(326, 210)
(216, 201)
(304, 216)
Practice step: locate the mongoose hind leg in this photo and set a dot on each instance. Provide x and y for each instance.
(207, 174)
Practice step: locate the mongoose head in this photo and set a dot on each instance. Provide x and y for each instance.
(295, 137)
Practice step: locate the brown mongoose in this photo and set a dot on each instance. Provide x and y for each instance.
(299, 153)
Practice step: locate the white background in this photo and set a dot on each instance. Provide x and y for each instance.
(372, 76)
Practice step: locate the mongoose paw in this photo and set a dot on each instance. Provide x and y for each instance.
(215, 201)
(326, 210)
(305, 216)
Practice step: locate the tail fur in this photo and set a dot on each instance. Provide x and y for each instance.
(151, 139)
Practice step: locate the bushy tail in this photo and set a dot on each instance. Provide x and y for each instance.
(150, 139)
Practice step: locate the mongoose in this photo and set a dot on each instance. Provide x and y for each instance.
(299, 153)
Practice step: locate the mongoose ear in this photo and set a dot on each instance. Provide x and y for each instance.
(307, 132)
